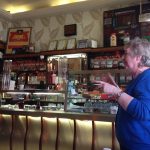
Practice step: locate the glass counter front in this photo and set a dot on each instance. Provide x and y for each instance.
(85, 96)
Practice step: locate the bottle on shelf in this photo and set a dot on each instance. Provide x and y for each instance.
(38, 105)
(113, 39)
(126, 38)
(103, 62)
(53, 76)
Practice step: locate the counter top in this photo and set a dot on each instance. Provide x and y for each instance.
(59, 114)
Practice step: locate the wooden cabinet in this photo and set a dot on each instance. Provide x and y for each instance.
(2, 51)
(2, 45)
(121, 21)
(125, 21)
(30, 69)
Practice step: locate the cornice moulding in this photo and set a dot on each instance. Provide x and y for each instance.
(69, 8)
(5, 15)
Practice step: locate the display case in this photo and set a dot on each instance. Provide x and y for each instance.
(59, 65)
(41, 80)
(85, 96)
(24, 71)
(63, 69)
(33, 99)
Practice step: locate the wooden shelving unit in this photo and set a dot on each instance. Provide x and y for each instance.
(2, 45)
(61, 52)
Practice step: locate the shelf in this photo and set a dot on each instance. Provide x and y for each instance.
(62, 52)
(35, 91)
(13, 56)
(98, 71)
(2, 45)
(82, 50)
(29, 71)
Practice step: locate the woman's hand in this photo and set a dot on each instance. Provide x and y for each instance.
(107, 88)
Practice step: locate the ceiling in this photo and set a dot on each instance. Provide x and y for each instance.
(19, 8)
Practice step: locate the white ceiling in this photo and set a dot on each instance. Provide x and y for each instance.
(42, 7)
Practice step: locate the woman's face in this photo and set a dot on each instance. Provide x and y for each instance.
(131, 62)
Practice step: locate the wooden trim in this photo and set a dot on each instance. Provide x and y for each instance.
(12, 128)
(13, 56)
(25, 138)
(2, 45)
(62, 52)
(82, 50)
(61, 114)
(113, 136)
(93, 136)
(57, 136)
(75, 136)
(41, 136)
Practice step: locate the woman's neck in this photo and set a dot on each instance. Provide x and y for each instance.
(139, 70)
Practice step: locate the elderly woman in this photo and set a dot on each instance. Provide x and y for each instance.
(133, 116)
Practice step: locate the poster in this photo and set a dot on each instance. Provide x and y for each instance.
(18, 38)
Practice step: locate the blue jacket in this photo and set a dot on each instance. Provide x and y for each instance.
(133, 125)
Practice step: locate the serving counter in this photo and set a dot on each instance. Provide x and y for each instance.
(56, 130)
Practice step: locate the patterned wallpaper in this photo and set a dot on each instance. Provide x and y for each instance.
(49, 28)
(4, 25)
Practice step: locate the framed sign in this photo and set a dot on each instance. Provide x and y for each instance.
(61, 44)
(82, 43)
(70, 30)
(18, 38)
(52, 45)
(71, 43)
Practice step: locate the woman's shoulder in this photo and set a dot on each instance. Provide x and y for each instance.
(146, 74)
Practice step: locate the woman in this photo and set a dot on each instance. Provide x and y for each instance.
(133, 116)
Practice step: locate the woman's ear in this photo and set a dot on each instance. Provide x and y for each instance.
(139, 61)
(138, 58)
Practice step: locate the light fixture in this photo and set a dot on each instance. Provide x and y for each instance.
(64, 2)
(5, 14)
(17, 9)
(46, 93)
(41, 57)
(78, 55)
(15, 92)
(143, 17)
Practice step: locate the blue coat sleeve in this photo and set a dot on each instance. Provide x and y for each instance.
(139, 107)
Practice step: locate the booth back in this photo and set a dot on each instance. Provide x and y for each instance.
(49, 133)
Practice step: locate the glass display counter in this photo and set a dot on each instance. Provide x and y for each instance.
(85, 96)
(33, 100)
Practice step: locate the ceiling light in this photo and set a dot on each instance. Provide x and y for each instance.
(64, 2)
(18, 9)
